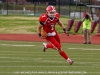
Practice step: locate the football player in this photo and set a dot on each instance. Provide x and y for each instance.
(48, 21)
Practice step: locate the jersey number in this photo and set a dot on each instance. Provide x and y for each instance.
(52, 27)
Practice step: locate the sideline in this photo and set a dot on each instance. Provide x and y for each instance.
(34, 38)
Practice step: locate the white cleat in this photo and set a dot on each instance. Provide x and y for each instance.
(44, 47)
(70, 61)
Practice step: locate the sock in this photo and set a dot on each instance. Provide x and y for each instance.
(64, 55)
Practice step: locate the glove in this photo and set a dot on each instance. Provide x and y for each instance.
(43, 34)
(65, 31)
(39, 34)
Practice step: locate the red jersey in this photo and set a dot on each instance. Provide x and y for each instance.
(49, 24)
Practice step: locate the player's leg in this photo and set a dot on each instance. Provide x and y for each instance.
(46, 46)
(62, 52)
(57, 38)
(55, 43)
(50, 45)
(65, 56)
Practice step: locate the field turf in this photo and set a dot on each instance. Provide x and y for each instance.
(27, 58)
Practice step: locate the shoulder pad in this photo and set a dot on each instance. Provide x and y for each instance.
(57, 15)
(42, 17)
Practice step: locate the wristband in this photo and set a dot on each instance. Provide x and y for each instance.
(64, 29)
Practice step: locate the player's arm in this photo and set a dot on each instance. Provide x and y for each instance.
(63, 27)
(61, 24)
(40, 25)
(39, 29)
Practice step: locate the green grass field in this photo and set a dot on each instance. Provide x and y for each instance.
(28, 25)
(27, 58)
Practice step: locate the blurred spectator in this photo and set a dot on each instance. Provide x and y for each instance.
(87, 28)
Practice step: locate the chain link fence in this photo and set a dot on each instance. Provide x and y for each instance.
(65, 8)
(33, 9)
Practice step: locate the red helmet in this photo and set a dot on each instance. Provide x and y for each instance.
(50, 10)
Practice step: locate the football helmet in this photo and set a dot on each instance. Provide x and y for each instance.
(50, 11)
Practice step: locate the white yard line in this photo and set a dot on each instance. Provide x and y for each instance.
(15, 45)
(38, 55)
(49, 61)
(28, 54)
(40, 51)
(41, 66)
(15, 52)
(23, 45)
(83, 49)
(23, 58)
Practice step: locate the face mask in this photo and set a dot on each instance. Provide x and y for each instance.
(51, 14)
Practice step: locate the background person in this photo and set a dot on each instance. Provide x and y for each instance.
(87, 20)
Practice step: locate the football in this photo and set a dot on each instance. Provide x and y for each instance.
(43, 34)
